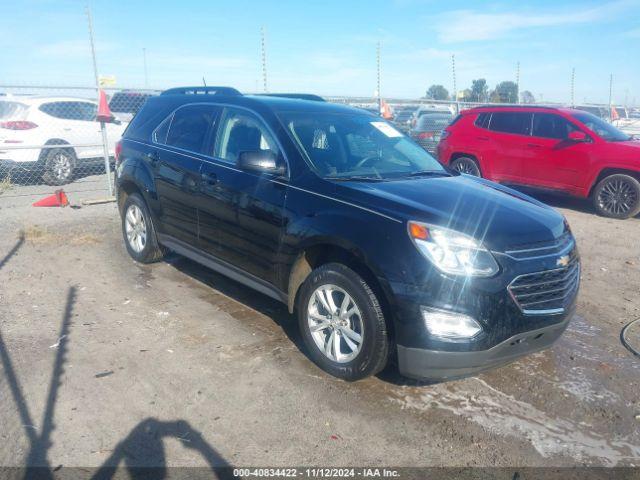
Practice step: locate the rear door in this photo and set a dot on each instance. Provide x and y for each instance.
(176, 163)
(510, 133)
(558, 163)
(241, 215)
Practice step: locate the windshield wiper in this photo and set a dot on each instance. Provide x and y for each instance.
(355, 178)
(429, 173)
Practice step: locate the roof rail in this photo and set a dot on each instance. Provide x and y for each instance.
(298, 96)
(230, 91)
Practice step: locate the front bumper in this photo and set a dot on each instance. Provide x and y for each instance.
(442, 365)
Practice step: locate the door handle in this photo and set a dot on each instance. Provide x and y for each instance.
(484, 139)
(534, 145)
(209, 178)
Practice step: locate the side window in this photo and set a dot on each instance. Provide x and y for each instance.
(482, 120)
(518, 123)
(549, 125)
(159, 135)
(84, 111)
(54, 109)
(241, 131)
(190, 126)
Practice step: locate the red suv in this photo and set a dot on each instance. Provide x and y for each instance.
(557, 149)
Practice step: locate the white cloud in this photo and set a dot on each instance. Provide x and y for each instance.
(471, 25)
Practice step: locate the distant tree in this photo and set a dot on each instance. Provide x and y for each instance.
(437, 92)
(527, 97)
(479, 90)
(505, 92)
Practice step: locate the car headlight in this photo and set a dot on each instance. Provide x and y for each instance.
(452, 252)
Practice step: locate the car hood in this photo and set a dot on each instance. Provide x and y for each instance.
(498, 215)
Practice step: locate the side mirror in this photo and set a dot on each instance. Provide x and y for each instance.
(578, 136)
(260, 161)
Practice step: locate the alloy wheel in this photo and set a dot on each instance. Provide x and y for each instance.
(136, 228)
(335, 323)
(467, 166)
(617, 197)
(61, 166)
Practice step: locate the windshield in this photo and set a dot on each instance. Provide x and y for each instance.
(342, 145)
(604, 130)
(11, 109)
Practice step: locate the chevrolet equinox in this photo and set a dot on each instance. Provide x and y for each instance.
(383, 253)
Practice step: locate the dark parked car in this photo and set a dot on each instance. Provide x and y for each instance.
(124, 105)
(381, 251)
(428, 130)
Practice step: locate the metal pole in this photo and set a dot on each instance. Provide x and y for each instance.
(378, 78)
(146, 76)
(610, 96)
(105, 145)
(455, 87)
(264, 59)
(573, 86)
(518, 82)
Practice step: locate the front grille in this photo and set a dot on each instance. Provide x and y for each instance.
(560, 245)
(547, 292)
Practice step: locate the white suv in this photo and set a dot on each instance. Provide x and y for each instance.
(39, 122)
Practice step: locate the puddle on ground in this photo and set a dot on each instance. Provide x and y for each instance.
(584, 370)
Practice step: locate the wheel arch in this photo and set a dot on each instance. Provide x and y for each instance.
(605, 172)
(323, 251)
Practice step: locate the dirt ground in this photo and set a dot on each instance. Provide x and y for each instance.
(106, 361)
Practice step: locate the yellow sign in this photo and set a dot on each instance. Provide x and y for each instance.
(107, 80)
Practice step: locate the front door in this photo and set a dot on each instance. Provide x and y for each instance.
(241, 216)
(176, 163)
(559, 163)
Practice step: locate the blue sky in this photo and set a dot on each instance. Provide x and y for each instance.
(328, 47)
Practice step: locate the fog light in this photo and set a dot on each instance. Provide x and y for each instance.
(450, 325)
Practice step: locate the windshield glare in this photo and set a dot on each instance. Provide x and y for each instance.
(354, 145)
(604, 130)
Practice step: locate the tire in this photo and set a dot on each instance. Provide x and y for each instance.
(366, 322)
(466, 165)
(138, 231)
(617, 196)
(59, 166)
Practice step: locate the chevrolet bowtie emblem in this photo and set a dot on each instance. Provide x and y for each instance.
(563, 261)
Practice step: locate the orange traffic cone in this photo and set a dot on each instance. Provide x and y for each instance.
(58, 199)
(104, 113)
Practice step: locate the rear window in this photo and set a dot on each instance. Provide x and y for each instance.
(518, 123)
(433, 122)
(12, 109)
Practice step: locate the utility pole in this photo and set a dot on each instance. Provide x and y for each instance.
(105, 145)
(263, 43)
(573, 86)
(455, 87)
(518, 82)
(378, 93)
(146, 76)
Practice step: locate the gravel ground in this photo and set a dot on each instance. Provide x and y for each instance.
(107, 361)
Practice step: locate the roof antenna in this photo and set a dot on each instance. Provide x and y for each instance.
(204, 81)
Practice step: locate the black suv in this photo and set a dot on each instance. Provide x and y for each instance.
(383, 252)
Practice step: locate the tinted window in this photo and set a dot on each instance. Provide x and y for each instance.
(189, 127)
(70, 110)
(511, 122)
(549, 125)
(433, 123)
(483, 120)
(241, 131)
(160, 134)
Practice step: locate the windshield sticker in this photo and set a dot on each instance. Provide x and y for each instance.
(387, 129)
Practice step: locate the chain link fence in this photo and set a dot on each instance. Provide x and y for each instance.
(50, 138)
